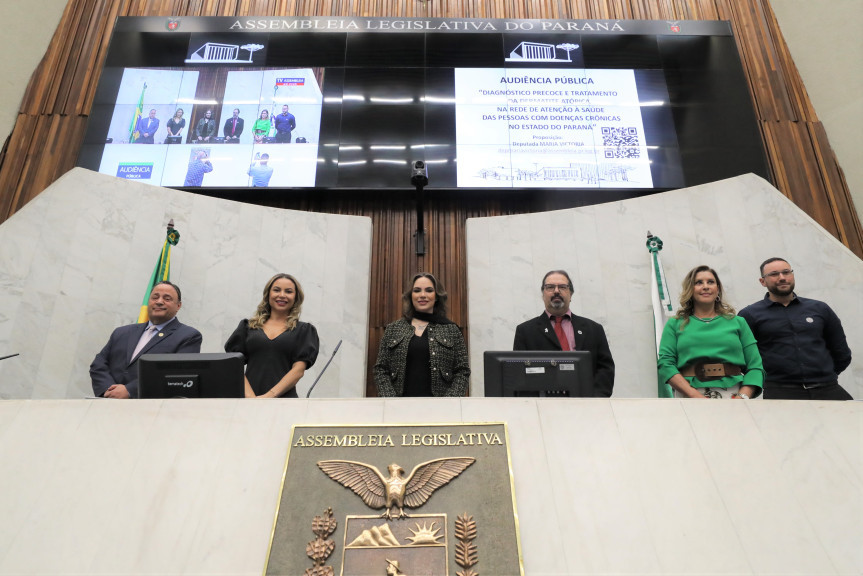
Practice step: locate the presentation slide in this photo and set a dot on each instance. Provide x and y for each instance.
(542, 128)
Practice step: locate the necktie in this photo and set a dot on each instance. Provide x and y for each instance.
(561, 336)
(234, 127)
(145, 337)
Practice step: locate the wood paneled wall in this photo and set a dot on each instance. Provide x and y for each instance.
(53, 114)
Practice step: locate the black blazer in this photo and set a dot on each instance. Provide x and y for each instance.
(538, 334)
(227, 128)
(114, 364)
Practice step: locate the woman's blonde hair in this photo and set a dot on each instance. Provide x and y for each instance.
(687, 303)
(262, 314)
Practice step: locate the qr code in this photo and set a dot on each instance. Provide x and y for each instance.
(621, 142)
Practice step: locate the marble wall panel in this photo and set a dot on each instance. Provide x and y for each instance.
(732, 225)
(818, 465)
(775, 537)
(682, 501)
(594, 490)
(76, 261)
(619, 486)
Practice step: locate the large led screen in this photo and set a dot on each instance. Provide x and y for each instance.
(166, 130)
(341, 103)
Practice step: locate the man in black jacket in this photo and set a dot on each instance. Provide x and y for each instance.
(233, 128)
(558, 324)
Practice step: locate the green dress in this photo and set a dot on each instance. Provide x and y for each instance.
(721, 339)
(261, 127)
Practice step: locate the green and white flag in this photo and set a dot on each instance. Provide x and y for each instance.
(662, 307)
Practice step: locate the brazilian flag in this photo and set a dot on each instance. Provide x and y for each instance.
(162, 271)
(133, 134)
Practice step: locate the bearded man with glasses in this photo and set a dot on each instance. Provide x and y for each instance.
(801, 341)
(557, 328)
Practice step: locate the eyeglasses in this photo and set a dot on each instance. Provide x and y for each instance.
(776, 274)
(553, 287)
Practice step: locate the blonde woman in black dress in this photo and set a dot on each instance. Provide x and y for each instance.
(277, 347)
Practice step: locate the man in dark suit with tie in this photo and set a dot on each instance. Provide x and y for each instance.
(114, 371)
(233, 127)
(559, 325)
(146, 127)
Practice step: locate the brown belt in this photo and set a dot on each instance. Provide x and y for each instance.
(706, 371)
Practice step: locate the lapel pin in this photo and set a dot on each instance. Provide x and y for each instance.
(546, 330)
(162, 334)
(579, 331)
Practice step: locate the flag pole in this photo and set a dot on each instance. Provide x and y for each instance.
(661, 298)
(133, 133)
(162, 271)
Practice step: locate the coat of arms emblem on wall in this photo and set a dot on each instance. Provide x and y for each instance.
(452, 513)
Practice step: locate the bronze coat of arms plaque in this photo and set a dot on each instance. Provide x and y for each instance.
(397, 500)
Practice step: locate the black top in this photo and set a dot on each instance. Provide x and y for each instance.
(175, 127)
(267, 361)
(799, 343)
(417, 373)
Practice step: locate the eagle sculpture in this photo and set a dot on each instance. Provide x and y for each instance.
(396, 491)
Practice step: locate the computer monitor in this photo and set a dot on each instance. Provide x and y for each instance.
(538, 373)
(191, 376)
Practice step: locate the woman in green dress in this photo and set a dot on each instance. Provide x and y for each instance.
(706, 350)
(262, 126)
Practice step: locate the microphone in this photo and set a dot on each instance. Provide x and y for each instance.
(16, 354)
(336, 349)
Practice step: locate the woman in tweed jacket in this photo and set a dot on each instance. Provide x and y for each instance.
(423, 353)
